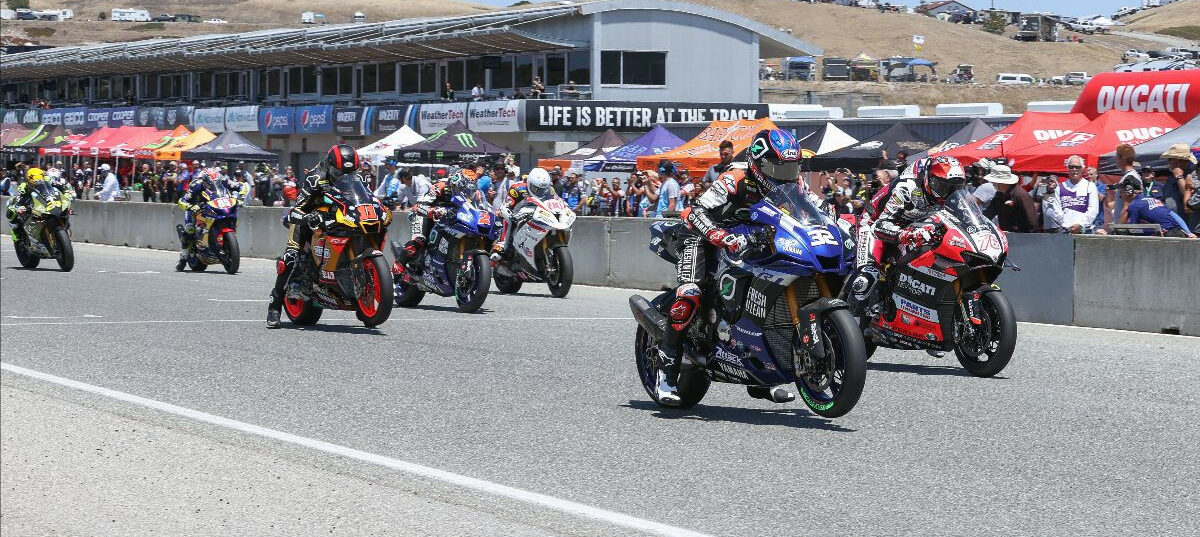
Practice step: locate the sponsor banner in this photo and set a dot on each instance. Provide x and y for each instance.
(153, 116)
(313, 119)
(241, 118)
(125, 116)
(178, 115)
(496, 116)
(31, 117)
(1170, 92)
(97, 117)
(74, 119)
(390, 119)
(53, 116)
(435, 117)
(212, 119)
(353, 120)
(598, 116)
(8, 117)
(276, 120)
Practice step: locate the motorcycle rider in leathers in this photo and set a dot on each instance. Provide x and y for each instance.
(517, 209)
(773, 156)
(340, 160)
(428, 210)
(190, 201)
(19, 208)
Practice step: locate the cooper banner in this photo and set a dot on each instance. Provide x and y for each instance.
(352, 120)
(241, 118)
(125, 116)
(496, 116)
(390, 119)
(1171, 92)
(435, 117)
(276, 120)
(314, 119)
(598, 116)
(179, 115)
(212, 119)
(97, 117)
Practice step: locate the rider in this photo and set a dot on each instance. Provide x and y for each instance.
(920, 191)
(517, 208)
(773, 156)
(18, 209)
(190, 203)
(341, 159)
(429, 209)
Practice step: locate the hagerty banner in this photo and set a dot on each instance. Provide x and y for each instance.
(598, 116)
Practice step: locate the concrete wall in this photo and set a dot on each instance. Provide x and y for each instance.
(1125, 283)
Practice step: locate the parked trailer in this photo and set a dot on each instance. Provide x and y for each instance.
(130, 15)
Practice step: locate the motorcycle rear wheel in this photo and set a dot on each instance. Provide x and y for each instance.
(693, 383)
(302, 312)
(380, 293)
(999, 342)
(843, 338)
(196, 264)
(407, 296)
(479, 277)
(232, 253)
(66, 254)
(562, 270)
(506, 284)
(27, 259)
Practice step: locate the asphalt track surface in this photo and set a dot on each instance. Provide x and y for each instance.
(1087, 431)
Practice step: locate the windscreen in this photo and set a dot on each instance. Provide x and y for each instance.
(352, 191)
(44, 191)
(963, 207)
(218, 189)
(791, 198)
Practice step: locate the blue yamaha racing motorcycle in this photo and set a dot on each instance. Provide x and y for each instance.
(455, 260)
(768, 318)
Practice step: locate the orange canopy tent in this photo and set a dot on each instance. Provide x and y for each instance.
(147, 151)
(701, 152)
(173, 150)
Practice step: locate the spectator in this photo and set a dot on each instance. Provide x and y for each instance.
(490, 182)
(421, 186)
(725, 150)
(1143, 210)
(477, 92)
(518, 94)
(169, 176)
(635, 193)
(537, 88)
(573, 193)
(448, 92)
(148, 182)
(1104, 197)
(570, 91)
(668, 193)
(291, 191)
(1180, 187)
(901, 161)
(559, 182)
(649, 202)
(1125, 155)
(618, 202)
(1072, 206)
(1011, 205)
(111, 187)
(502, 186)
(389, 183)
(601, 198)
(366, 174)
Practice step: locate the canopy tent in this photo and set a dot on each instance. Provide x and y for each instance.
(623, 159)
(228, 146)
(172, 150)
(12, 133)
(22, 144)
(384, 149)
(975, 130)
(82, 146)
(147, 151)
(608, 141)
(867, 154)
(1031, 128)
(701, 152)
(1149, 153)
(827, 139)
(47, 136)
(452, 144)
(108, 142)
(1090, 141)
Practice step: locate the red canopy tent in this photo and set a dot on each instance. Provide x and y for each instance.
(127, 139)
(146, 151)
(83, 147)
(1096, 138)
(1031, 129)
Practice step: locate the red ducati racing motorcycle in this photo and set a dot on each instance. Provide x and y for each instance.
(942, 296)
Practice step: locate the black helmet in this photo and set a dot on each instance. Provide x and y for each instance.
(1131, 185)
(343, 158)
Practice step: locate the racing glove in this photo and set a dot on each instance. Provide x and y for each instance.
(314, 219)
(919, 235)
(732, 242)
(436, 213)
(194, 208)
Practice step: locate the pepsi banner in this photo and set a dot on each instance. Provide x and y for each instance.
(1170, 92)
(352, 120)
(390, 119)
(314, 119)
(178, 115)
(97, 117)
(276, 120)
(125, 116)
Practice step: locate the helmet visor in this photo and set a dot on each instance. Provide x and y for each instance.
(541, 191)
(783, 172)
(942, 188)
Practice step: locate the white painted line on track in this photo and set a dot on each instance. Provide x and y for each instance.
(1127, 332)
(239, 300)
(496, 489)
(470, 318)
(87, 316)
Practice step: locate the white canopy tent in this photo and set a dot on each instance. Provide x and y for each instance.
(378, 152)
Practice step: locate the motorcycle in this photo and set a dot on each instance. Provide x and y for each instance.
(943, 295)
(767, 318)
(539, 250)
(47, 228)
(345, 268)
(215, 240)
(455, 260)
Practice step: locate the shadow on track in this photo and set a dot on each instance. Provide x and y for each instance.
(37, 269)
(431, 307)
(943, 370)
(335, 329)
(790, 417)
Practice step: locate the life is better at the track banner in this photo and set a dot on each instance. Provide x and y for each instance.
(1170, 92)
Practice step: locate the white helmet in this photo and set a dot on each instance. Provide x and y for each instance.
(105, 167)
(539, 183)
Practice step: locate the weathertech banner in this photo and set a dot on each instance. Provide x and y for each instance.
(1171, 92)
(241, 118)
(314, 119)
(275, 120)
(598, 116)
(496, 116)
(212, 119)
(390, 119)
(352, 120)
(438, 116)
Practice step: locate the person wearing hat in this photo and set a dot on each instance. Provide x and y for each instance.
(111, 187)
(1145, 210)
(1011, 205)
(1073, 204)
(388, 190)
(1179, 187)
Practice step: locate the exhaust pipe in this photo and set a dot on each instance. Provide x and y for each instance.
(648, 317)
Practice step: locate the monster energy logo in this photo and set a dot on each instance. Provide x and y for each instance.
(466, 139)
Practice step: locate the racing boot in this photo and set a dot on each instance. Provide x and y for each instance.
(683, 310)
(776, 394)
(404, 254)
(273, 316)
(668, 377)
(935, 353)
(864, 290)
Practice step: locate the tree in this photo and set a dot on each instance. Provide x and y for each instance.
(995, 24)
(18, 4)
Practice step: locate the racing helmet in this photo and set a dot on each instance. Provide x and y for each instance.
(943, 175)
(773, 156)
(342, 158)
(464, 183)
(539, 183)
(34, 175)
(1131, 185)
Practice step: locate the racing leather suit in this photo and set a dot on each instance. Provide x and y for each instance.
(514, 212)
(24, 200)
(300, 222)
(193, 196)
(906, 203)
(425, 212)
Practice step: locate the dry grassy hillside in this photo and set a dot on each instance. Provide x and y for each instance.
(1181, 13)
(845, 31)
(928, 96)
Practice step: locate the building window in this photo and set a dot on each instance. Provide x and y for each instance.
(428, 78)
(386, 78)
(454, 75)
(579, 67)
(302, 80)
(329, 81)
(270, 84)
(633, 68)
(475, 74)
(523, 71)
(556, 70)
(204, 85)
(502, 77)
(346, 80)
(410, 78)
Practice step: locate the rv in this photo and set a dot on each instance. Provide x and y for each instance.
(130, 15)
(310, 17)
(358, 17)
(8, 14)
(1037, 27)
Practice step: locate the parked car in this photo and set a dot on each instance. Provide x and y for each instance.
(963, 74)
(1014, 79)
(216, 21)
(1083, 27)
(1157, 65)
(1134, 55)
(1076, 78)
(187, 17)
(1058, 80)
(165, 17)
(26, 16)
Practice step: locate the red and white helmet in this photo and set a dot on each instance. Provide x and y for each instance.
(942, 176)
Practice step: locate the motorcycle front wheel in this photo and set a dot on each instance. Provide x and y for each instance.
(991, 349)
(561, 271)
(834, 393)
(27, 259)
(232, 253)
(693, 383)
(66, 254)
(473, 282)
(375, 305)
